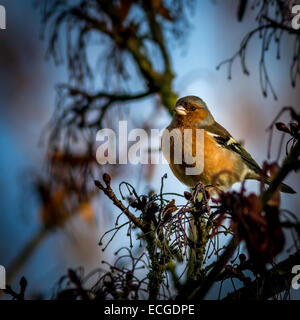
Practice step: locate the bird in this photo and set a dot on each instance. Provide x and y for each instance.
(225, 160)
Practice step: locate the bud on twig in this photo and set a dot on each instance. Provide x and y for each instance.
(134, 203)
(282, 127)
(107, 179)
(187, 195)
(152, 208)
(23, 284)
(97, 184)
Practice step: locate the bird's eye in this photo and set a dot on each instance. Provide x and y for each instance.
(193, 108)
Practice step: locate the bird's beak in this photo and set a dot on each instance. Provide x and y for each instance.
(180, 110)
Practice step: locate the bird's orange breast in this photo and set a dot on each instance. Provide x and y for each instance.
(220, 165)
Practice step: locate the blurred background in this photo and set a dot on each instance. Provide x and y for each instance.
(28, 97)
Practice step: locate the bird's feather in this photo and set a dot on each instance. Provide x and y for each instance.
(225, 140)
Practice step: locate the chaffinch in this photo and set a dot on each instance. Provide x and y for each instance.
(225, 160)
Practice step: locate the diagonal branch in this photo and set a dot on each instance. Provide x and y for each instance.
(276, 280)
(111, 195)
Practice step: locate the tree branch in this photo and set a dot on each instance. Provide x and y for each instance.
(113, 97)
(209, 280)
(281, 26)
(111, 195)
(273, 282)
(22, 258)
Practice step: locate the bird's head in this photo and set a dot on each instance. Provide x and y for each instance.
(192, 110)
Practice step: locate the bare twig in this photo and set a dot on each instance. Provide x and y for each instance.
(111, 195)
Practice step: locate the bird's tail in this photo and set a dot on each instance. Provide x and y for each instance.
(283, 187)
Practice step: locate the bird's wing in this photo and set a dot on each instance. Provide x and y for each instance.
(224, 139)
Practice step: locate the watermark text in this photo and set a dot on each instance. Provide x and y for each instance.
(2, 277)
(296, 18)
(139, 146)
(2, 18)
(296, 278)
